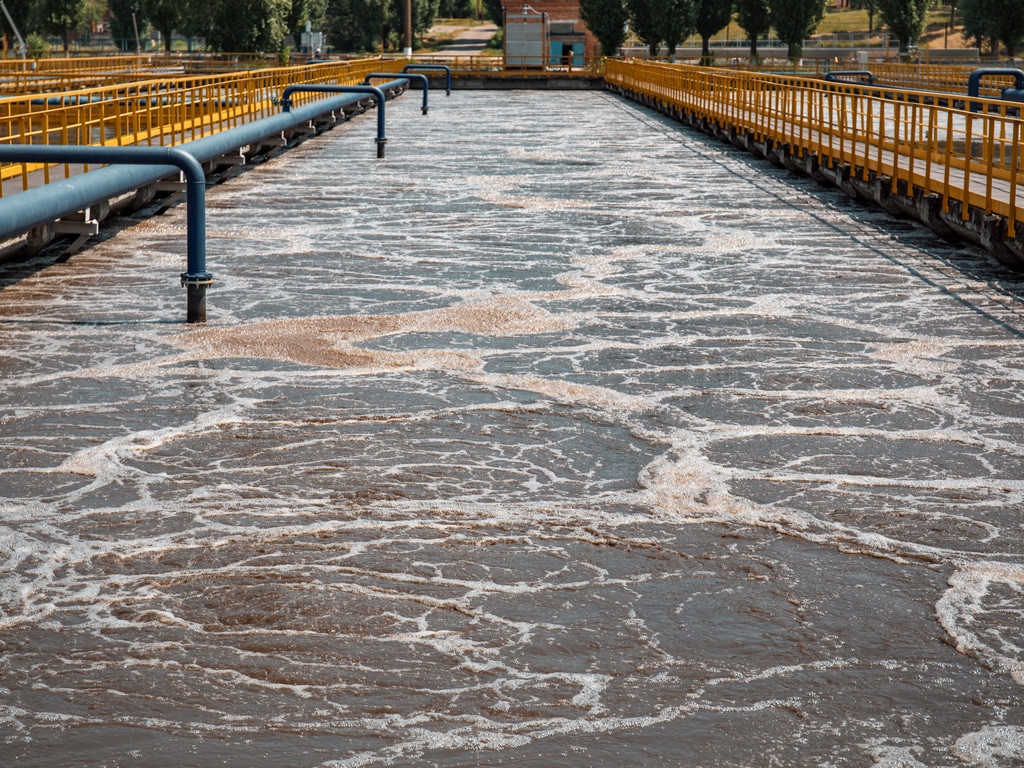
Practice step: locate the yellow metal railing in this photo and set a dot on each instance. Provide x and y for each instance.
(83, 64)
(160, 112)
(974, 158)
(502, 66)
(143, 62)
(22, 76)
(53, 76)
(950, 79)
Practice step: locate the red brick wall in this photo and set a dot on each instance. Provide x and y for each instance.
(558, 10)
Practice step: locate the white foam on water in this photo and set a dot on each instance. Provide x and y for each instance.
(108, 460)
(474, 471)
(890, 756)
(994, 746)
(983, 613)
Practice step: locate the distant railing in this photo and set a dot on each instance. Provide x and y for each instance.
(932, 77)
(532, 66)
(901, 136)
(77, 64)
(19, 76)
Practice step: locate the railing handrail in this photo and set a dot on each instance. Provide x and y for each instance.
(163, 112)
(902, 136)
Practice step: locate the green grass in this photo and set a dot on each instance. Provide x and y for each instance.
(842, 22)
(852, 21)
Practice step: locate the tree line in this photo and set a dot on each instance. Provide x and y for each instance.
(991, 22)
(669, 22)
(234, 25)
(368, 25)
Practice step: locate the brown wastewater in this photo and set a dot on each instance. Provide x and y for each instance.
(560, 437)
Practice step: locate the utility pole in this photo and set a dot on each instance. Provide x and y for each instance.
(408, 29)
(22, 48)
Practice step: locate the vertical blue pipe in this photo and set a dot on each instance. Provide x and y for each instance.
(437, 67)
(974, 82)
(286, 103)
(422, 79)
(196, 279)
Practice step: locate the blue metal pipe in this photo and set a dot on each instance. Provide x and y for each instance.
(49, 204)
(21, 212)
(286, 103)
(35, 207)
(836, 77)
(435, 68)
(218, 144)
(974, 82)
(422, 79)
(31, 208)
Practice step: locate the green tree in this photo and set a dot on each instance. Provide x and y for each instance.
(607, 20)
(196, 20)
(756, 19)
(358, 25)
(122, 28)
(38, 46)
(795, 20)
(977, 25)
(248, 25)
(710, 16)
(494, 11)
(677, 21)
(643, 16)
(165, 16)
(871, 6)
(61, 17)
(94, 13)
(456, 9)
(905, 19)
(354, 24)
(995, 21)
(424, 13)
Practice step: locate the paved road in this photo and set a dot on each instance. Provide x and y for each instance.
(470, 42)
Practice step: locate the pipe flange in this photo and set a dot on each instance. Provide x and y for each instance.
(204, 279)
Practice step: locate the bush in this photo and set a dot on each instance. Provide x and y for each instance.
(38, 46)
